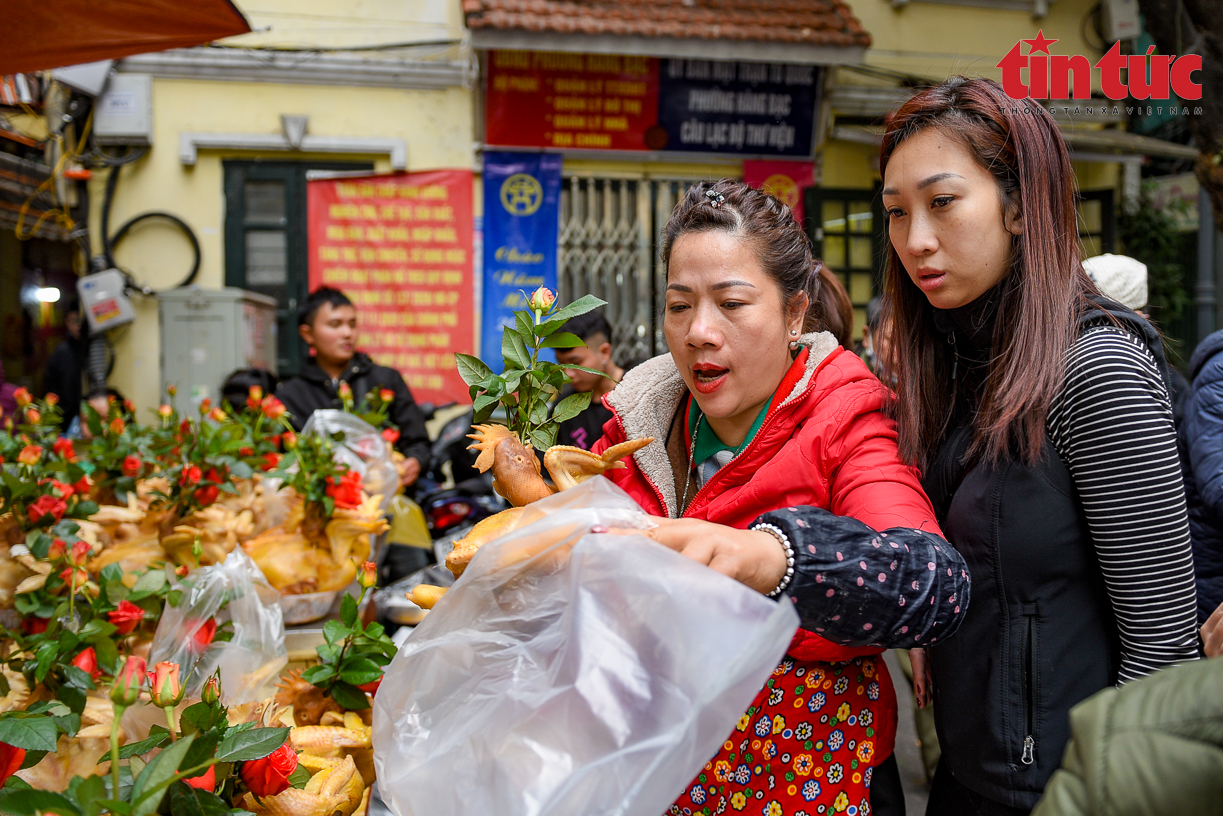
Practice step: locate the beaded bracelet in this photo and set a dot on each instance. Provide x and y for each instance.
(784, 541)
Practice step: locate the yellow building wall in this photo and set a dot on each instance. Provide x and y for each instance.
(436, 124)
(938, 40)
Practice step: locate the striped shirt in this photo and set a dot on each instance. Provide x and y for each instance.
(1112, 425)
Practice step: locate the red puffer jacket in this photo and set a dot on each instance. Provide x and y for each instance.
(825, 442)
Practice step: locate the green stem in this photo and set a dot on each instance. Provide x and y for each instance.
(72, 597)
(170, 720)
(114, 750)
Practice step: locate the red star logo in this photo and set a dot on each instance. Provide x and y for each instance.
(1039, 43)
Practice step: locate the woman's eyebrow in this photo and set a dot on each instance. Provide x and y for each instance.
(730, 284)
(924, 183)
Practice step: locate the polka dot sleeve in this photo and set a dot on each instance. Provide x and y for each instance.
(854, 586)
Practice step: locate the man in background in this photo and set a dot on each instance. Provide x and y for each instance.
(327, 322)
(584, 430)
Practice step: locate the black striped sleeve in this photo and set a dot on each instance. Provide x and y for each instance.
(1112, 425)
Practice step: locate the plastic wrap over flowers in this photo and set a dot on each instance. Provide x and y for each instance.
(567, 672)
(363, 449)
(233, 591)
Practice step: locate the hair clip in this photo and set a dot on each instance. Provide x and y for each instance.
(716, 199)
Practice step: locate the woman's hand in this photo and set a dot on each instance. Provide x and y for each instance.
(751, 557)
(1212, 633)
(921, 677)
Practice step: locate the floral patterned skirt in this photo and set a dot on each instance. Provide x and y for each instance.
(807, 745)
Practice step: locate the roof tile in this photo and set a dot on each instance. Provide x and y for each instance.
(824, 22)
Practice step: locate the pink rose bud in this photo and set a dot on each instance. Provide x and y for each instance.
(126, 688)
(166, 690)
(542, 300)
(368, 576)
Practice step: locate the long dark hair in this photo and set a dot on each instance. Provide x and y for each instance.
(765, 222)
(1040, 297)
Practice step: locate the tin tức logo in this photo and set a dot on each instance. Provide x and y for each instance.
(1060, 77)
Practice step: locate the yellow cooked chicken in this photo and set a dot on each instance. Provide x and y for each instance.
(517, 478)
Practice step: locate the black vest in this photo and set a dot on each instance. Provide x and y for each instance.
(1039, 635)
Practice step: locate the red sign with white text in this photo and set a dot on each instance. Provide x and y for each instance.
(587, 101)
(400, 247)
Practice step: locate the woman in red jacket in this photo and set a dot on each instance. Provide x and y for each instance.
(755, 410)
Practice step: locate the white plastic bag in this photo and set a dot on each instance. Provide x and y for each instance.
(363, 449)
(571, 674)
(235, 591)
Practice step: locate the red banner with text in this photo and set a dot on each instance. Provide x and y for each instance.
(589, 101)
(400, 246)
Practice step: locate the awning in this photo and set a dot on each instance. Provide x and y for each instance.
(812, 32)
(41, 34)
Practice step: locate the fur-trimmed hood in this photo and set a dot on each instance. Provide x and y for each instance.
(646, 400)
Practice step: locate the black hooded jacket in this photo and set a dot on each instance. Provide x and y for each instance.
(312, 389)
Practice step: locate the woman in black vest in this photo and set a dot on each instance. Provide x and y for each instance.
(1038, 412)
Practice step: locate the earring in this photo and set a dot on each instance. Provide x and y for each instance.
(794, 332)
(793, 345)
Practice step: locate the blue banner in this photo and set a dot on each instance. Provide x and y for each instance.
(522, 194)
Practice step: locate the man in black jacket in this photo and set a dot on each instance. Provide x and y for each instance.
(327, 322)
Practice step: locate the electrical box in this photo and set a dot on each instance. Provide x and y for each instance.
(1121, 20)
(123, 114)
(207, 334)
(102, 298)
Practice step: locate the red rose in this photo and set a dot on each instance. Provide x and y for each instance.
(246, 452)
(128, 682)
(391, 435)
(132, 465)
(33, 625)
(205, 781)
(126, 617)
(270, 461)
(63, 447)
(386, 394)
(213, 475)
(207, 495)
(46, 507)
(58, 488)
(270, 775)
(10, 760)
(22, 397)
(30, 455)
(87, 661)
(81, 552)
(371, 688)
(346, 492)
(204, 635)
(272, 407)
(74, 576)
(82, 487)
(190, 476)
(57, 549)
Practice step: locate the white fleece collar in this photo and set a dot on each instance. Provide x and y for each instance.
(647, 396)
